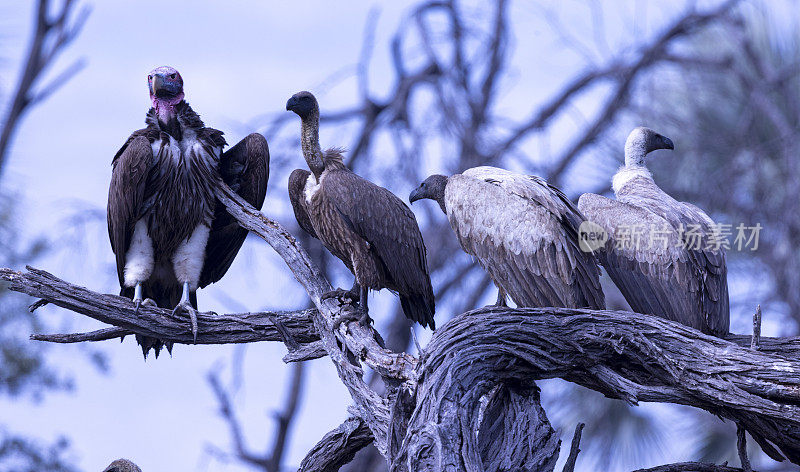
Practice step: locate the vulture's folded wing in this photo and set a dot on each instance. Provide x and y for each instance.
(656, 268)
(126, 195)
(388, 225)
(245, 168)
(297, 197)
(524, 233)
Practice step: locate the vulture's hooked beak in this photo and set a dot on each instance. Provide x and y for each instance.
(163, 88)
(293, 102)
(668, 143)
(416, 195)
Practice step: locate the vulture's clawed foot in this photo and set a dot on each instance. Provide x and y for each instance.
(186, 307)
(351, 297)
(359, 314)
(137, 303)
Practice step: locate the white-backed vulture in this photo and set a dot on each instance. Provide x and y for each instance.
(661, 253)
(366, 226)
(169, 233)
(524, 233)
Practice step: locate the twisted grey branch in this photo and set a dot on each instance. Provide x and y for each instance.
(338, 447)
(470, 400)
(154, 321)
(630, 357)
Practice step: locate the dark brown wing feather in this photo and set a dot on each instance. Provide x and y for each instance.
(391, 229)
(297, 186)
(245, 168)
(126, 195)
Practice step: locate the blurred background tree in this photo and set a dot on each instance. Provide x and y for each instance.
(24, 370)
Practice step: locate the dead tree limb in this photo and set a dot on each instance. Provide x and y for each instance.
(574, 449)
(153, 321)
(477, 372)
(633, 358)
(690, 467)
(51, 35)
(338, 447)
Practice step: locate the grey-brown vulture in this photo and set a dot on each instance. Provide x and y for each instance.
(665, 256)
(366, 226)
(524, 233)
(169, 233)
(122, 465)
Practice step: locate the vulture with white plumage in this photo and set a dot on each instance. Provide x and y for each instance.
(524, 233)
(169, 233)
(665, 256)
(366, 226)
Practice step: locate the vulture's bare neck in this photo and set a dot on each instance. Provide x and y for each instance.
(310, 143)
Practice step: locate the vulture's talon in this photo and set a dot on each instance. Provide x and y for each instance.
(360, 315)
(186, 307)
(138, 303)
(343, 295)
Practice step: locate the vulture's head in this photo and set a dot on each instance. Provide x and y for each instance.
(303, 104)
(432, 188)
(122, 465)
(166, 86)
(642, 141)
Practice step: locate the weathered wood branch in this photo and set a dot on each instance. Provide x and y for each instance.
(634, 358)
(338, 447)
(691, 467)
(470, 400)
(153, 321)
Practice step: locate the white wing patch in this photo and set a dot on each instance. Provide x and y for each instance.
(139, 258)
(188, 259)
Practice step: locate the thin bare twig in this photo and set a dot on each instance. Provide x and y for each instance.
(50, 38)
(574, 449)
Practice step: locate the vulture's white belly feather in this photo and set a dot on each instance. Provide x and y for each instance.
(187, 261)
(139, 258)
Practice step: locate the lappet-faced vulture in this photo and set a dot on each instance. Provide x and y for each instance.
(666, 256)
(524, 233)
(366, 226)
(169, 233)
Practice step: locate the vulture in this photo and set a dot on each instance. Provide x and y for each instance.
(169, 233)
(366, 226)
(660, 252)
(524, 233)
(122, 465)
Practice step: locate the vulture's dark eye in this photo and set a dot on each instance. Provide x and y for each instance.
(149, 77)
(172, 76)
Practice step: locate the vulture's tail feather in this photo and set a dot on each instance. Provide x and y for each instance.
(164, 299)
(419, 308)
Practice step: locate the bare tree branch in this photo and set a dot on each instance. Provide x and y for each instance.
(690, 467)
(629, 356)
(50, 38)
(574, 449)
(338, 447)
